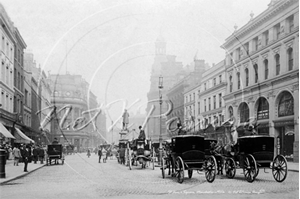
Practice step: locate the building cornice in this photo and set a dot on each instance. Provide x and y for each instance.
(267, 83)
(218, 86)
(259, 20)
(263, 50)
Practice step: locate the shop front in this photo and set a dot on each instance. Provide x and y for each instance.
(285, 137)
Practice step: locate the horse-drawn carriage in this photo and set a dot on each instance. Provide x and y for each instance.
(252, 153)
(188, 152)
(140, 151)
(70, 149)
(54, 154)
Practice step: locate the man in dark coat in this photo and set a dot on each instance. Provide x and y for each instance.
(142, 133)
(99, 154)
(41, 154)
(35, 153)
(25, 155)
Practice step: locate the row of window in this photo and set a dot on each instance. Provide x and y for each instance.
(285, 108)
(264, 68)
(192, 97)
(7, 48)
(214, 82)
(6, 101)
(208, 105)
(27, 119)
(263, 39)
(217, 103)
(6, 75)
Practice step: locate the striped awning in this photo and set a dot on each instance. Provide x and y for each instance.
(5, 132)
(22, 138)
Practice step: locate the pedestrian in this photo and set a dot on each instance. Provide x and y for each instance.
(25, 155)
(142, 133)
(88, 153)
(41, 154)
(10, 156)
(35, 154)
(99, 154)
(17, 155)
(104, 154)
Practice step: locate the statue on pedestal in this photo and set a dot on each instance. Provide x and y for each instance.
(125, 120)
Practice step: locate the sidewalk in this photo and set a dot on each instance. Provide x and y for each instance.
(13, 172)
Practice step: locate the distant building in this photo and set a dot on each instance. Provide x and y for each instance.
(262, 71)
(167, 67)
(72, 91)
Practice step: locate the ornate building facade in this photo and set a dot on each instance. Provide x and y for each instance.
(262, 71)
(72, 91)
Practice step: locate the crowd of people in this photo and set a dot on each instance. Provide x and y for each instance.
(25, 153)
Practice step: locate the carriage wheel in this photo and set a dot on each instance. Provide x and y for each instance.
(163, 165)
(279, 168)
(250, 168)
(190, 173)
(230, 168)
(211, 169)
(179, 166)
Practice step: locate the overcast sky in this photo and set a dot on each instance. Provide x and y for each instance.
(111, 43)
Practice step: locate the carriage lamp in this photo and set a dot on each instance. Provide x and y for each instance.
(160, 82)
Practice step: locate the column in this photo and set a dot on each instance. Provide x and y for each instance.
(260, 40)
(272, 132)
(271, 63)
(243, 76)
(251, 73)
(251, 107)
(296, 123)
(296, 50)
(296, 20)
(271, 34)
(260, 69)
(251, 46)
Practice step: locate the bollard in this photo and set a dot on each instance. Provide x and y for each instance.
(2, 163)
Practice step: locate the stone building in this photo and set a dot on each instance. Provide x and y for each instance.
(72, 99)
(262, 71)
(167, 67)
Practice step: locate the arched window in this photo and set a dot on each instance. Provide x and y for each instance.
(286, 105)
(263, 109)
(277, 62)
(230, 81)
(247, 76)
(244, 112)
(266, 64)
(290, 58)
(239, 80)
(255, 73)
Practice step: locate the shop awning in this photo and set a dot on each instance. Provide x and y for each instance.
(21, 137)
(5, 132)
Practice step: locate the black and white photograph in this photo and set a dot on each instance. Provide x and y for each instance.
(149, 99)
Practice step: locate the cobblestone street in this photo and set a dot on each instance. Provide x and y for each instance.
(82, 177)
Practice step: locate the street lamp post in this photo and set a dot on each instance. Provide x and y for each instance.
(160, 87)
